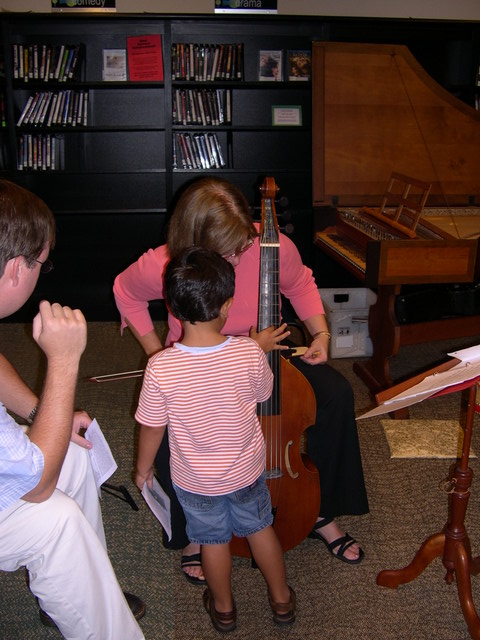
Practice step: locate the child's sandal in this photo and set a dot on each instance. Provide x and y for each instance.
(284, 612)
(224, 622)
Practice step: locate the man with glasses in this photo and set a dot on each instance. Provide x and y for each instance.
(50, 519)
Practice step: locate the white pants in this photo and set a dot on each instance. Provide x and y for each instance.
(62, 544)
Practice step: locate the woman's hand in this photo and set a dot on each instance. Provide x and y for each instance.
(317, 352)
(270, 338)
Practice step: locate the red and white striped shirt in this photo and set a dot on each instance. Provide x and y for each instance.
(208, 398)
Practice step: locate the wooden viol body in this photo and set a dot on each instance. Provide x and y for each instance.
(291, 477)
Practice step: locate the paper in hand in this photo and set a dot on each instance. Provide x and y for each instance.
(101, 457)
(159, 503)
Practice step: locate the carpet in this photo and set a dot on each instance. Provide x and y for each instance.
(424, 438)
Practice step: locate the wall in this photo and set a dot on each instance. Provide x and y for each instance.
(425, 9)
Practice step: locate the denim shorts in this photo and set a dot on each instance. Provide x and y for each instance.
(213, 519)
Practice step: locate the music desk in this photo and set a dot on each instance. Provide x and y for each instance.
(452, 543)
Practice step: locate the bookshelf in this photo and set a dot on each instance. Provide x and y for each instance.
(115, 175)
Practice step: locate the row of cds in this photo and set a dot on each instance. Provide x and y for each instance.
(197, 151)
(47, 62)
(53, 108)
(40, 152)
(207, 62)
(202, 106)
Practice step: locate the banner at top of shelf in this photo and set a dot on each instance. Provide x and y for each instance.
(84, 5)
(246, 6)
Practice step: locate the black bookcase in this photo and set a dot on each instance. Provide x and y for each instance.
(113, 190)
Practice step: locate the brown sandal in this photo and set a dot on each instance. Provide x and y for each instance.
(224, 622)
(283, 612)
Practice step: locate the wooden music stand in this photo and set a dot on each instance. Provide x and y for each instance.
(452, 543)
(408, 197)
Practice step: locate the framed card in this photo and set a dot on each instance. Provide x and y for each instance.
(287, 115)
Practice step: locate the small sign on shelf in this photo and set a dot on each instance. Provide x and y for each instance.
(287, 115)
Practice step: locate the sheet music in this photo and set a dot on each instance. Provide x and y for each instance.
(467, 369)
(103, 462)
(159, 503)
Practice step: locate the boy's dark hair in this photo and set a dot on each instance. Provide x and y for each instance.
(197, 283)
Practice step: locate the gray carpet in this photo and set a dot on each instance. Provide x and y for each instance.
(335, 601)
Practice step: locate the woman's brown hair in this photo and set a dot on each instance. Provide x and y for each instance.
(211, 213)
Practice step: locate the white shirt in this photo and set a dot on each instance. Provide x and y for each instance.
(21, 461)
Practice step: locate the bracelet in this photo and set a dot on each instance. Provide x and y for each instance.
(32, 414)
(322, 333)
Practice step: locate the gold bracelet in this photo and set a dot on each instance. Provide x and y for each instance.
(322, 333)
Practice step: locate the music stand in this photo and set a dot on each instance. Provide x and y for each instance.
(452, 543)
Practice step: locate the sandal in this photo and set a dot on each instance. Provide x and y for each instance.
(222, 621)
(284, 612)
(343, 543)
(194, 560)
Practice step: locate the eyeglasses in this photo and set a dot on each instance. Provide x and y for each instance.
(237, 254)
(46, 266)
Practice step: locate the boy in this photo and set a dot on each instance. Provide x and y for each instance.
(206, 389)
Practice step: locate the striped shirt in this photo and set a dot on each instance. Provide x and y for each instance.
(207, 397)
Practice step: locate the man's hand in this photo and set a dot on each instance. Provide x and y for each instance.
(270, 338)
(62, 335)
(60, 332)
(81, 420)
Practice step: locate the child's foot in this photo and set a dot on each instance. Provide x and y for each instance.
(284, 612)
(222, 621)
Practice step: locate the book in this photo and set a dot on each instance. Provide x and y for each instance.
(46, 106)
(299, 64)
(114, 65)
(58, 108)
(63, 63)
(101, 458)
(85, 109)
(28, 115)
(68, 64)
(20, 61)
(26, 108)
(43, 60)
(35, 61)
(145, 58)
(270, 67)
(29, 51)
(15, 61)
(59, 61)
(78, 55)
(48, 62)
(159, 503)
(52, 110)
